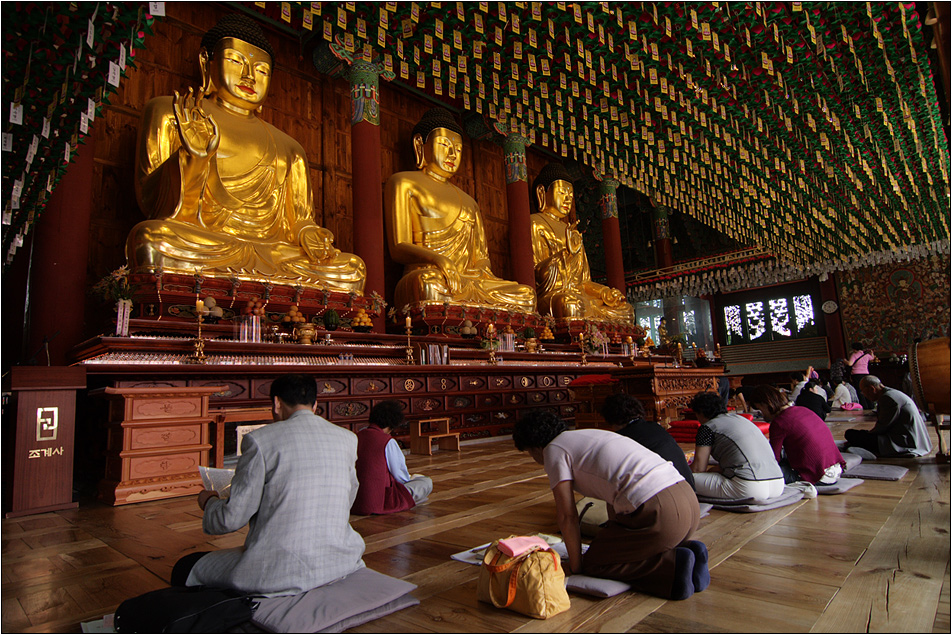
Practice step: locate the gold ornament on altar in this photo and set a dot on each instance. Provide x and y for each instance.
(436, 231)
(563, 279)
(227, 193)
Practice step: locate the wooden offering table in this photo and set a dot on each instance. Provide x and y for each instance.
(665, 389)
(156, 439)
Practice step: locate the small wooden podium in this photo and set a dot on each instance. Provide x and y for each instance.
(44, 399)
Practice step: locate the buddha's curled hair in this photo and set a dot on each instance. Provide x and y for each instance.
(240, 27)
(551, 173)
(436, 118)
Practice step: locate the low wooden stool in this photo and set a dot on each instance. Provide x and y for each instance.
(421, 442)
(224, 416)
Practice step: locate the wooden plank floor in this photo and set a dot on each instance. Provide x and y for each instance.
(873, 560)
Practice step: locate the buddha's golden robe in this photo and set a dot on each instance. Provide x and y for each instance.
(248, 217)
(444, 223)
(564, 284)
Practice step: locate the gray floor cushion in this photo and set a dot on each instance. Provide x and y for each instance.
(789, 496)
(360, 597)
(852, 460)
(599, 587)
(842, 485)
(877, 472)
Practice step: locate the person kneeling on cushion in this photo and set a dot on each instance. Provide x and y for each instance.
(386, 486)
(748, 469)
(802, 443)
(652, 511)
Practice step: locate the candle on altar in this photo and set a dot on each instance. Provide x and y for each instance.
(199, 306)
(409, 322)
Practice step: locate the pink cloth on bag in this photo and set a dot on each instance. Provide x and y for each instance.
(518, 545)
(851, 406)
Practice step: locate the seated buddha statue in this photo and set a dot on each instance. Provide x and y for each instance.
(436, 230)
(228, 194)
(563, 280)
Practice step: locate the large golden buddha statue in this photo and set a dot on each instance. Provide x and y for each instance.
(435, 229)
(229, 194)
(563, 279)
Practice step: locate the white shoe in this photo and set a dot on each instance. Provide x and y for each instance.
(863, 452)
(808, 489)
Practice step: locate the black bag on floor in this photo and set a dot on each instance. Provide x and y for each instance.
(194, 609)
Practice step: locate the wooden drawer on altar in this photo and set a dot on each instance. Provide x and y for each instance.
(427, 405)
(442, 384)
(489, 400)
(329, 388)
(338, 411)
(157, 408)
(473, 382)
(565, 380)
(568, 411)
(500, 382)
(147, 437)
(536, 398)
(514, 399)
(409, 384)
(370, 385)
(461, 402)
(507, 417)
(166, 465)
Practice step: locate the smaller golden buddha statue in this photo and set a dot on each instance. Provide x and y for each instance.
(228, 194)
(436, 231)
(563, 280)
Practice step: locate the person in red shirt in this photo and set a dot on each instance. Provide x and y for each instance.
(386, 486)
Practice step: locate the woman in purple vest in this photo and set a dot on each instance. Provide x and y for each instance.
(386, 486)
(802, 443)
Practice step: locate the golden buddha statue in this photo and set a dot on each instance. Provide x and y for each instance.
(563, 279)
(229, 194)
(436, 230)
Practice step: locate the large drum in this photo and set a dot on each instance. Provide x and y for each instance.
(929, 367)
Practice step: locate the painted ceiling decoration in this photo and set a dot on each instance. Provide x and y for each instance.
(811, 130)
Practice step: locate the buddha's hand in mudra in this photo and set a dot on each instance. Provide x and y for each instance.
(318, 243)
(197, 130)
(448, 268)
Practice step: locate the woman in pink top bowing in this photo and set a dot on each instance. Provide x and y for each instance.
(652, 510)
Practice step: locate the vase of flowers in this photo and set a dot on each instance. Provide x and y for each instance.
(115, 287)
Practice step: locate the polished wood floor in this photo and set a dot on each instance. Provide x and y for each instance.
(873, 560)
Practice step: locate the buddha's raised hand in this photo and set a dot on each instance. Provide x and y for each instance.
(197, 130)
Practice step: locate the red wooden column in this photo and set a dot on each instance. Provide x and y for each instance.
(369, 241)
(517, 201)
(611, 235)
(57, 285)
